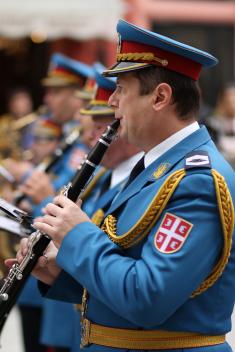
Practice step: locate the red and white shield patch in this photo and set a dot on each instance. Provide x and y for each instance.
(172, 233)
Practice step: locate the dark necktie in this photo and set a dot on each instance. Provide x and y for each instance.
(137, 169)
(106, 184)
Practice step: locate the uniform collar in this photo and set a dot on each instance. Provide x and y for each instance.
(122, 171)
(171, 158)
(168, 143)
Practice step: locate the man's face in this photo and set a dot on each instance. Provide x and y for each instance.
(20, 104)
(87, 126)
(100, 124)
(131, 108)
(62, 103)
(42, 148)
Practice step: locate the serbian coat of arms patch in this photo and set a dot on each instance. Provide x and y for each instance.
(172, 233)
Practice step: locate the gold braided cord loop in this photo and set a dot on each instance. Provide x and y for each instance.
(98, 217)
(141, 56)
(149, 218)
(93, 183)
(226, 210)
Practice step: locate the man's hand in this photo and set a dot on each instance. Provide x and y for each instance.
(17, 168)
(38, 186)
(46, 269)
(60, 217)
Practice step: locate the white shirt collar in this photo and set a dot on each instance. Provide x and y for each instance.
(168, 143)
(122, 171)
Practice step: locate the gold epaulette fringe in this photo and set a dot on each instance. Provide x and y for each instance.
(226, 210)
(149, 218)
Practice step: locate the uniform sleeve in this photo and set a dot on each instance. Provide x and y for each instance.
(68, 165)
(63, 178)
(151, 288)
(37, 209)
(65, 289)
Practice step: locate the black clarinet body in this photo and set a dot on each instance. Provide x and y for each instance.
(48, 164)
(38, 241)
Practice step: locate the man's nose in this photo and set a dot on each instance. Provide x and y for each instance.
(112, 100)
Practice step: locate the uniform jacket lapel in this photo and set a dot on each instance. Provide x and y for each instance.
(170, 158)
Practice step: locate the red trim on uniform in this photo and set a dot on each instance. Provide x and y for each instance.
(51, 125)
(90, 83)
(70, 74)
(103, 94)
(176, 62)
(64, 71)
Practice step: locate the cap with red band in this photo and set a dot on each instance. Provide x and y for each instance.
(64, 71)
(46, 129)
(139, 48)
(88, 91)
(105, 88)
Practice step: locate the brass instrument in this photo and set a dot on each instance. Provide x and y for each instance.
(28, 119)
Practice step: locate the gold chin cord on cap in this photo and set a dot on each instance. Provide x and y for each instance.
(141, 56)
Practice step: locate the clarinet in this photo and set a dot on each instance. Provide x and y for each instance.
(38, 241)
(48, 163)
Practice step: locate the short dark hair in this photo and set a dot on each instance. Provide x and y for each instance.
(185, 91)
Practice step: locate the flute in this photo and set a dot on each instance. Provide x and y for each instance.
(38, 241)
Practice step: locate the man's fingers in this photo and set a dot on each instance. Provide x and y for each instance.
(61, 201)
(42, 261)
(79, 203)
(9, 262)
(48, 229)
(23, 250)
(52, 209)
(24, 243)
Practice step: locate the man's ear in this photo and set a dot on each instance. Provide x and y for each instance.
(162, 96)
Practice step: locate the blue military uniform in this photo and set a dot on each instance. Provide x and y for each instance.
(63, 72)
(162, 264)
(59, 318)
(146, 282)
(60, 334)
